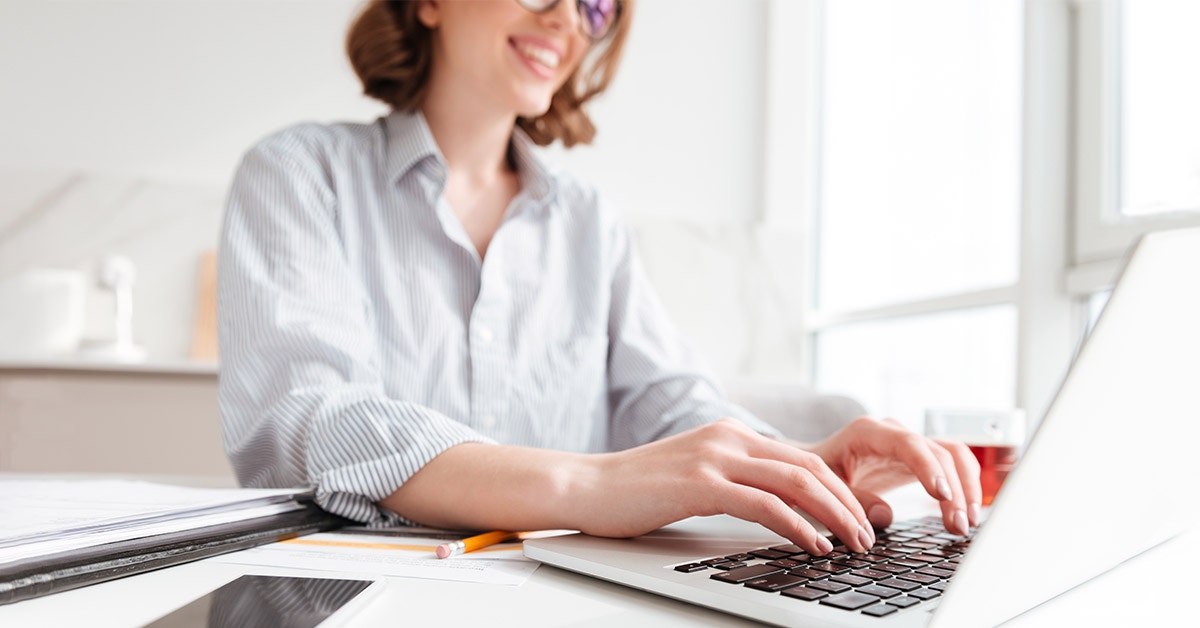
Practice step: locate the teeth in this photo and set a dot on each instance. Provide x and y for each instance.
(543, 56)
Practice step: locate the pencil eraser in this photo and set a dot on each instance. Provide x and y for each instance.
(443, 551)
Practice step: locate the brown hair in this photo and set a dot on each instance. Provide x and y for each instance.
(392, 51)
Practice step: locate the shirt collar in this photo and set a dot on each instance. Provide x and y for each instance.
(410, 143)
(538, 181)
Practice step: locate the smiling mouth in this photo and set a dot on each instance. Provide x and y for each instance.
(542, 56)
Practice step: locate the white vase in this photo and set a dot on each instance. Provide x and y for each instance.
(41, 313)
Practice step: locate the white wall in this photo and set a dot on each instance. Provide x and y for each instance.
(171, 92)
(177, 89)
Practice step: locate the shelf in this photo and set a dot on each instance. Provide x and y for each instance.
(68, 364)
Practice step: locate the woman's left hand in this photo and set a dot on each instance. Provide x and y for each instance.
(874, 457)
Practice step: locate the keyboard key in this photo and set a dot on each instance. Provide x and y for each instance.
(890, 568)
(939, 586)
(883, 592)
(768, 554)
(850, 601)
(733, 564)
(852, 563)
(828, 585)
(886, 553)
(935, 572)
(776, 582)
(896, 583)
(872, 574)
(745, 574)
(739, 557)
(880, 611)
(831, 568)
(805, 593)
(904, 602)
(924, 594)
(789, 549)
(911, 564)
(714, 561)
(926, 558)
(917, 577)
(786, 563)
(853, 581)
(690, 567)
(811, 574)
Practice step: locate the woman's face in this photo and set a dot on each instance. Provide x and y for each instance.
(502, 53)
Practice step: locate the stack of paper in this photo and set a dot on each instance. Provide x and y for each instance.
(61, 534)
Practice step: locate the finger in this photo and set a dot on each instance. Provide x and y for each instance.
(775, 450)
(879, 512)
(801, 486)
(954, 511)
(967, 466)
(768, 510)
(913, 451)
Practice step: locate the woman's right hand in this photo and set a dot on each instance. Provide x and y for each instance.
(724, 467)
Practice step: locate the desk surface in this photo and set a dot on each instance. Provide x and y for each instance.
(1152, 589)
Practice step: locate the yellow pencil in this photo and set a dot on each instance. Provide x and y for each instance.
(470, 544)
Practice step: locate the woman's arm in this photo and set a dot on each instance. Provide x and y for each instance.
(723, 467)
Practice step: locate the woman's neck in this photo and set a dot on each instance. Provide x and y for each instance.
(473, 141)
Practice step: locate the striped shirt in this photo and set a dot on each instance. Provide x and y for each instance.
(361, 334)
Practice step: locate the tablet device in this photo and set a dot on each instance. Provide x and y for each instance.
(269, 601)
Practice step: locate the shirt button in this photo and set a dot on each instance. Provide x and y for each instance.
(488, 421)
(484, 334)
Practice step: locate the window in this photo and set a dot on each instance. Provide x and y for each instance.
(917, 216)
(974, 176)
(1138, 149)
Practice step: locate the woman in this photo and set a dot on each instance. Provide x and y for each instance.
(426, 322)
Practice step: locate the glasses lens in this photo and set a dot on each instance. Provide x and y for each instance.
(597, 17)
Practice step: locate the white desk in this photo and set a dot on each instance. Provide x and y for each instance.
(551, 597)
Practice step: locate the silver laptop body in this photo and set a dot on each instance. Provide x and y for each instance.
(1105, 469)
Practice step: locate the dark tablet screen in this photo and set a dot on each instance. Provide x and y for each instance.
(266, 601)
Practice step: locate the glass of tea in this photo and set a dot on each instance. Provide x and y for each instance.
(996, 437)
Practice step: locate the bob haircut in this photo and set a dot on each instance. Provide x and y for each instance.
(391, 52)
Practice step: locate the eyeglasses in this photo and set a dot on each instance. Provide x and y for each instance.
(596, 17)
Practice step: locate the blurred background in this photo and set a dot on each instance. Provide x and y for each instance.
(919, 204)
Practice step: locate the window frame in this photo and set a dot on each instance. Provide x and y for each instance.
(1102, 236)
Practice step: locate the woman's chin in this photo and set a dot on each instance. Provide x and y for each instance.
(534, 107)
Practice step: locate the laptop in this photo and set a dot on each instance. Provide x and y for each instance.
(1099, 483)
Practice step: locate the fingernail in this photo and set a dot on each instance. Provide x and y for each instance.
(864, 538)
(960, 522)
(973, 513)
(823, 546)
(943, 489)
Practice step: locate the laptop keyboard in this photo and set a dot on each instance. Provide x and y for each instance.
(912, 562)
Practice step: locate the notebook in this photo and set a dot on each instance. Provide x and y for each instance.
(1099, 483)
